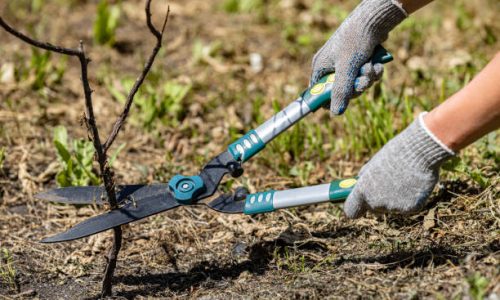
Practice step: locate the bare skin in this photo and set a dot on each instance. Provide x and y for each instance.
(471, 112)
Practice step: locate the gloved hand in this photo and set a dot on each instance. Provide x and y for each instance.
(351, 47)
(402, 175)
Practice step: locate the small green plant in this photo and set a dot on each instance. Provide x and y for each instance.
(166, 105)
(3, 153)
(76, 159)
(464, 17)
(206, 53)
(457, 166)
(106, 23)
(39, 64)
(171, 103)
(288, 259)
(43, 71)
(464, 165)
(299, 38)
(478, 285)
(242, 6)
(7, 271)
(36, 5)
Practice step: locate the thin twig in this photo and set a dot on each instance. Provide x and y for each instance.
(38, 44)
(147, 67)
(112, 258)
(90, 122)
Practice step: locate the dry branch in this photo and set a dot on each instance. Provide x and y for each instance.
(128, 103)
(92, 129)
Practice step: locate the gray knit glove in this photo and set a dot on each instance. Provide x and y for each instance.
(351, 47)
(401, 176)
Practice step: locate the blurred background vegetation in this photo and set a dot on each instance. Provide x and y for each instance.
(230, 68)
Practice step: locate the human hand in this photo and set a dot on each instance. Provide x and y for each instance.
(349, 49)
(401, 176)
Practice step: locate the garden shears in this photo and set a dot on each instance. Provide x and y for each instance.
(136, 202)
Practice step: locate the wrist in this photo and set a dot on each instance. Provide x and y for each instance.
(430, 129)
(438, 126)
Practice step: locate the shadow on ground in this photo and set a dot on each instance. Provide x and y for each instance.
(261, 254)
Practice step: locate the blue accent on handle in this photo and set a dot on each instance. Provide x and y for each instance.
(319, 94)
(259, 203)
(247, 146)
(186, 188)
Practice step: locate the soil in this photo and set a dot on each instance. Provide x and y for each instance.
(313, 252)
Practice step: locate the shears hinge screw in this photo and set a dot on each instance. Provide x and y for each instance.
(186, 188)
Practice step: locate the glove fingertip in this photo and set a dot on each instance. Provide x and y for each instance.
(378, 69)
(355, 205)
(338, 107)
(361, 84)
(342, 92)
(367, 68)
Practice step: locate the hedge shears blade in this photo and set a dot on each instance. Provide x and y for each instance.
(133, 210)
(97, 195)
(129, 211)
(140, 201)
(137, 202)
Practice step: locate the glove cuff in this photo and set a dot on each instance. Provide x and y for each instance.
(381, 17)
(423, 148)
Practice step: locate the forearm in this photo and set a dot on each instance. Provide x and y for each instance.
(471, 112)
(411, 6)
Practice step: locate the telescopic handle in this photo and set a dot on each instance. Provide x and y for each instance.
(309, 101)
(268, 201)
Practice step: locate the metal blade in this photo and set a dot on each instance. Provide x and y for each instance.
(227, 204)
(97, 194)
(130, 212)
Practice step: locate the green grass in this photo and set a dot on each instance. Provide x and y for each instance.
(157, 104)
(3, 154)
(41, 71)
(36, 5)
(75, 158)
(372, 121)
(7, 270)
(243, 6)
(106, 23)
(289, 259)
(480, 163)
(478, 285)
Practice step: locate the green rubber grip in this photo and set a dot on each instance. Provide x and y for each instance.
(246, 146)
(259, 203)
(340, 189)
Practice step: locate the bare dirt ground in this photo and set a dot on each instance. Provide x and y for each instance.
(450, 250)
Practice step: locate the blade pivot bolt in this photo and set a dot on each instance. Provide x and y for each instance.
(186, 188)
